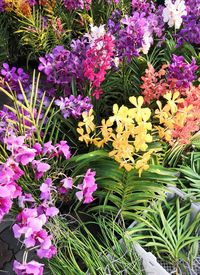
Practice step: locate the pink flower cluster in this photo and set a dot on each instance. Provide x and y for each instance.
(32, 268)
(10, 172)
(88, 187)
(98, 60)
(50, 150)
(21, 154)
(9, 190)
(31, 221)
(179, 75)
(77, 4)
(30, 224)
(20, 151)
(154, 83)
(184, 133)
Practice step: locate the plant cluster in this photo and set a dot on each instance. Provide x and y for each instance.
(99, 116)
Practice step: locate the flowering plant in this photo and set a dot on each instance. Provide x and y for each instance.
(28, 158)
(131, 135)
(116, 106)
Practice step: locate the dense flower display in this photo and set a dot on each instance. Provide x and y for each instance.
(80, 4)
(98, 61)
(98, 101)
(131, 36)
(62, 66)
(181, 73)
(12, 76)
(131, 124)
(190, 31)
(31, 220)
(173, 13)
(136, 33)
(71, 106)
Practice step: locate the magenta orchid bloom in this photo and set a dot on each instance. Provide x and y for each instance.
(67, 183)
(32, 268)
(88, 187)
(63, 148)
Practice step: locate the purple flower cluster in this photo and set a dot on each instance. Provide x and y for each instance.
(182, 72)
(61, 66)
(21, 154)
(66, 184)
(20, 151)
(77, 4)
(2, 5)
(143, 6)
(136, 33)
(12, 76)
(34, 158)
(193, 6)
(87, 187)
(73, 106)
(114, 22)
(9, 121)
(32, 2)
(51, 151)
(6, 127)
(190, 31)
(131, 36)
(10, 172)
(156, 23)
(30, 224)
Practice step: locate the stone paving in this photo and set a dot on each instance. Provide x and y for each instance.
(9, 247)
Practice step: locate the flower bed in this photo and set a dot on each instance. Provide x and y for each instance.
(99, 114)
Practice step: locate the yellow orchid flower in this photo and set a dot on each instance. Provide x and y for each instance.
(142, 164)
(83, 137)
(88, 121)
(172, 101)
(137, 102)
(127, 131)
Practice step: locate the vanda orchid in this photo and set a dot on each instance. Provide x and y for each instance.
(173, 13)
(99, 129)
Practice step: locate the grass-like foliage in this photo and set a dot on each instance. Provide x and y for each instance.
(170, 231)
(30, 112)
(190, 175)
(80, 251)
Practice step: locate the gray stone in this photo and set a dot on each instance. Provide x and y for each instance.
(8, 237)
(8, 269)
(8, 221)
(5, 254)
